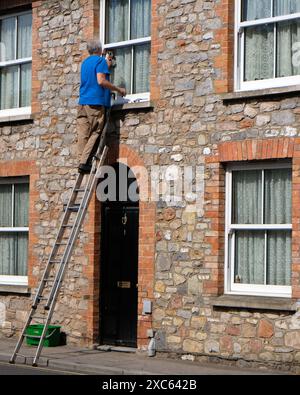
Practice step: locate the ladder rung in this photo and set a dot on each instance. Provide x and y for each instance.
(42, 298)
(61, 244)
(79, 190)
(67, 226)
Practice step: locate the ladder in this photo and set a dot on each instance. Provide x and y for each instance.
(72, 219)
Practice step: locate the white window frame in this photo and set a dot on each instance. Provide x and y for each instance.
(11, 279)
(248, 289)
(276, 82)
(19, 111)
(138, 97)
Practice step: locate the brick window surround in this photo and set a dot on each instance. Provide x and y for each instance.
(123, 154)
(239, 151)
(19, 169)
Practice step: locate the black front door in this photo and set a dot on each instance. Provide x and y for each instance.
(119, 275)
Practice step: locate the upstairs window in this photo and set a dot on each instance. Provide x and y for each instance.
(15, 63)
(268, 43)
(259, 229)
(126, 30)
(14, 208)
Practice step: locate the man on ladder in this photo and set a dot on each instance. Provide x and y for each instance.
(94, 98)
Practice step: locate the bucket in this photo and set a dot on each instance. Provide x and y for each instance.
(51, 339)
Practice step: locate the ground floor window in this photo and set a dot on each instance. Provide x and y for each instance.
(259, 229)
(14, 208)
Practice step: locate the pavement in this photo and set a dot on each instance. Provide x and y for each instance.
(118, 361)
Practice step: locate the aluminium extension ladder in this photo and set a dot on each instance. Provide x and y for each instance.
(72, 219)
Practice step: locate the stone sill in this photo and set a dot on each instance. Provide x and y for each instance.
(255, 303)
(14, 289)
(16, 118)
(132, 106)
(261, 93)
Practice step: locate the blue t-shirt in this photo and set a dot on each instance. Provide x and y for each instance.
(91, 93)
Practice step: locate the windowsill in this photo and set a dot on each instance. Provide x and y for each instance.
(255, 303)
(132, 106)
(16, 118)
(14, 289)
(261, 93)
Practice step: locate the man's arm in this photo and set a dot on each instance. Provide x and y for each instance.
(102, 81)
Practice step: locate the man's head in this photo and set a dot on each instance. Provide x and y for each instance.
(94, 47)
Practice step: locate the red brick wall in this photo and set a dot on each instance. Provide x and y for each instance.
(224, 36)
(247, 150)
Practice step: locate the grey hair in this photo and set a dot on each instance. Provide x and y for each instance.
(94, 46)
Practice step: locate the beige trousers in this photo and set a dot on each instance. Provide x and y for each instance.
(90, 123)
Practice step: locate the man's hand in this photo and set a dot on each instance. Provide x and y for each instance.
(122, 91)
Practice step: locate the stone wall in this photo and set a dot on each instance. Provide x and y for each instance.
(191, 69)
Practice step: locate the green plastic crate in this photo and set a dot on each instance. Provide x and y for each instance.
(51, 339)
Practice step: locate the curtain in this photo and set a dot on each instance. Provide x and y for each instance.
(122, 72)
(279, 258)
(278, 196)
(250, 245)
(8, 39)
(13, 250)
(140, 18)
(5, 205)
(21, 208)
(9, 87)
(142, 68)
(24, 36)
(284, 7)
(14, 245)
(117, 21)
(249, 257)
(247, 196)
(259, 52)
(288, 47)
(256, 9)
(25, 85)
(278, 210)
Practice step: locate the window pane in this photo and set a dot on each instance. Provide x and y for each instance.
(122, 72)
(140, 18)
(117, 12)
(25, 85)
(256, 9)
(9, 87)
(13, 249)
(284, 7)
(278, 196)
(141, 68)
(5, 205)
(21, 205)
(288, 48)
(24, 36)
(247, 197)
(8, 39)
(249, 257)
(259, 52)
(279, 257)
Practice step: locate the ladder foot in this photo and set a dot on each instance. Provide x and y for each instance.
(11, 361)
(34, 364)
